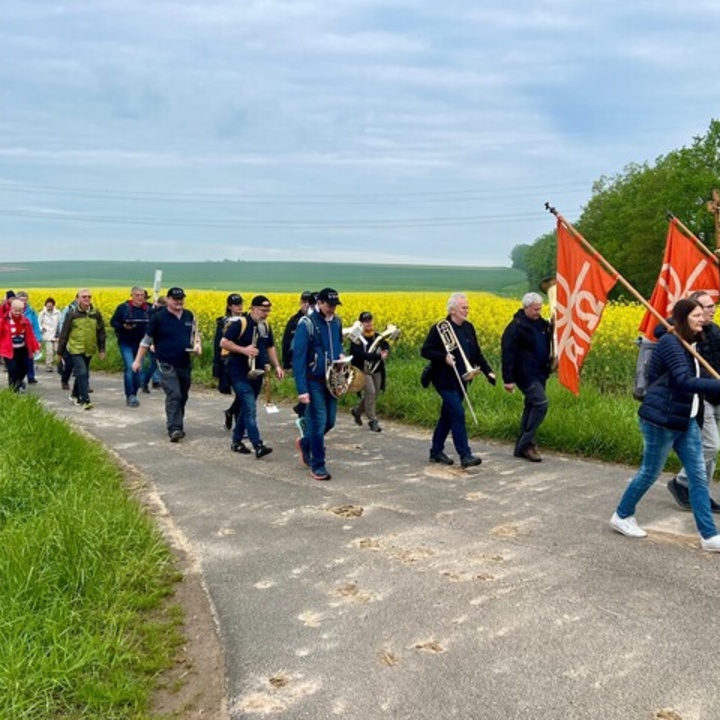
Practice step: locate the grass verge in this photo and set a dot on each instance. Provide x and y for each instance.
(85, 576)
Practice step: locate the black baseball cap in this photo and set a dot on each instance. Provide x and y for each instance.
(308, 296)
(260, 301)
(176, 293)
(365, 316)
(329, 296)
(234, 299)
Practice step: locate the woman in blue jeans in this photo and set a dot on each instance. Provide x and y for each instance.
(670, 420)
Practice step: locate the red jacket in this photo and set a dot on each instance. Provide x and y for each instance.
(6, 345)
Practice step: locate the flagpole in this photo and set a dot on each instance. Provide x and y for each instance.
(691, 236)
(617, 276)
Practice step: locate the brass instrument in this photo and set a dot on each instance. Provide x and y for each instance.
(391, 332)
(338, 376)
(451, 343)
(195, 340)
(549, 287)
(355, 333)
(253, 371)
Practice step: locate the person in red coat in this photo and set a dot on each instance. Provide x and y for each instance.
(18, 344)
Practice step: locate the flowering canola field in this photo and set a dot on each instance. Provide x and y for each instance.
(612, 354)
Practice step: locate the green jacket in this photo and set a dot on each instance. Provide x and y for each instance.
(83, 332)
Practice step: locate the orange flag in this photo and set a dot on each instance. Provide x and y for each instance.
(582, 288)
(685, 269)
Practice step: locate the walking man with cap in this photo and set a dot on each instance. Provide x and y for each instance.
(251, 346)
(172, 332)
(233, 313)
(317, 343)
(362, 359)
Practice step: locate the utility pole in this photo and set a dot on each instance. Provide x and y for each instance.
(713, 206)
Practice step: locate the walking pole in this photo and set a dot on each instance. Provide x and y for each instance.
(612, 271)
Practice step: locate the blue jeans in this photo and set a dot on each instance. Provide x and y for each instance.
(451, 420)
(658, 442)
(81, 369)
(131, 379)
(319, 419)
(176, 384)
(534, 411)
(246, 394)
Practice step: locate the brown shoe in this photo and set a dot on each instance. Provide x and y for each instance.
(529, 453)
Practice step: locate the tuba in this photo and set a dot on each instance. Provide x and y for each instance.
(549, 287)
(450, 341)
(338, 376)
(391, 332)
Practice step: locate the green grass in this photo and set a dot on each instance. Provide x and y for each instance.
(84, 578)
(271, 276)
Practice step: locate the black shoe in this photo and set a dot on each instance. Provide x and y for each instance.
(714, 507)
(240, 447)
(262, 450)
(146, 389)
(176, 436)
(441, 458)
(470, 461)
(356, 415)
(32, 381)
(228, 420)
(680, 494)
(156, 384)
(64, 386)
(374, 426)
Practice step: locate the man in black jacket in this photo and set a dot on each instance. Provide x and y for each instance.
(526, 364)
(451, 377)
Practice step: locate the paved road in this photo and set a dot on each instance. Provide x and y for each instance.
(404, 590)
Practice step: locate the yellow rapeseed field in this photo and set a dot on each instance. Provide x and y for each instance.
(413, 313)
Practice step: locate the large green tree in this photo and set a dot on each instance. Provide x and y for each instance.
(626, 217)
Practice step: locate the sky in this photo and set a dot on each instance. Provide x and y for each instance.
(388, 131)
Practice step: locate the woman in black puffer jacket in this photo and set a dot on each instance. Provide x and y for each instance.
(670, 419)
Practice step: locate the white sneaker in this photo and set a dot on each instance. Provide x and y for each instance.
(711, 544)
(628, 526)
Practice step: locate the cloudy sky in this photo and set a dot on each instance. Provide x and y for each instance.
(410, 131)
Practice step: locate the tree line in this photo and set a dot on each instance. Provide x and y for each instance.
(626, 216)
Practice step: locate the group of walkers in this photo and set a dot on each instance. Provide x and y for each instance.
(680, 410)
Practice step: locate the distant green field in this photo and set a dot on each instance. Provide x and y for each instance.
(270, 276)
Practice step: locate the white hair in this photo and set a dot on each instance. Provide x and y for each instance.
(531, 298)
(454, 299)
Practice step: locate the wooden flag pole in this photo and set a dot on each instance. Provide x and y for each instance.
(704, 249)
(610, 269)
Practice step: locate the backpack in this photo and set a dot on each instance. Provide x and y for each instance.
(642, 367)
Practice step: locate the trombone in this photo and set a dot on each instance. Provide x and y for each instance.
(253, 372)
(450, 341)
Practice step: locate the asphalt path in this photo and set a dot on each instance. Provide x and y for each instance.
(401, 589)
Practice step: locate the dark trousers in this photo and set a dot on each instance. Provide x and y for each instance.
(451, 421)
(534, 412)
(176, 384)
(66, 368)
(17, 367)
(246, 394)
(81, 370)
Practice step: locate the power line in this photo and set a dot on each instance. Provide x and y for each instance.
(394, 198)
(439, 222)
